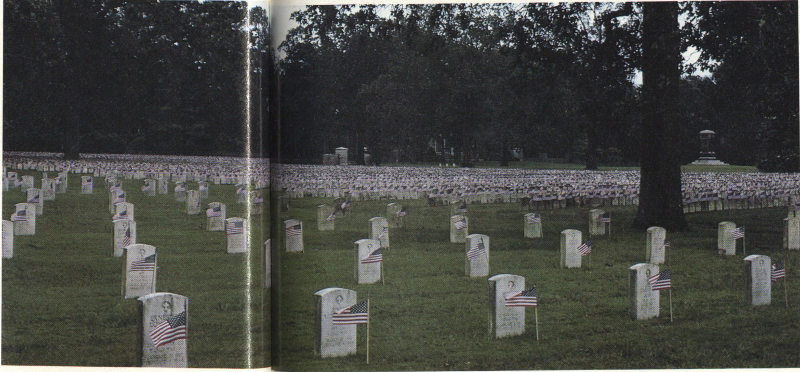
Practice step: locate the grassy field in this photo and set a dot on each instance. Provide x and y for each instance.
(61, 298)
(429, 316)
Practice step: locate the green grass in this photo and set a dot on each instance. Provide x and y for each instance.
(429, 316)
(61, 292)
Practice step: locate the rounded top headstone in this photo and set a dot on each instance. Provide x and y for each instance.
(707, 132)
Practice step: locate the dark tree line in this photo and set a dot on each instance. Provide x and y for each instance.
(547, 78)
(116, 76)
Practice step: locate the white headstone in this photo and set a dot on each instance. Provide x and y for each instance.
(62, 181)
(459, 229)
(726, 243)
(341, 152)
(325, 217)
(256, 203)
(477, 256)
(202, 187)
(12, 180)
(141, 265)
(180, 192)
(570, 255)
(395, 214)
(505, 320)
(644, 300)
(368, 269)
(8, 239)
(48, 189)
(87, 184)
(124, 235)
(163, 186)
(192, 202)
(241, 194)
(116, 196)
(654, 251)
(532, 225)
(27, 183)
(164, 314)
(379, 230)
(24, 219)
(791, 233)
(34, 196)
(596, 227)
(333, 340)
(236, 232)
(215, 216)
(293, 235)
(758, 279)
(149, 187)
(123, 211)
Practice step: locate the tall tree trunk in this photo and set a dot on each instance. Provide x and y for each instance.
(591, 145)
(660, 200)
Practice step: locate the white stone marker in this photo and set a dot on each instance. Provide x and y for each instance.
(180, 192)
(34, 196)
(24, 219)
(570, 255)
(758, 274)
(395, 214)
(325, 217)
(149, 187)
(256, 203)
(12, 180)
(726, 243)
(654, 250)
(476, 262)
(333, 340)
(596, 227)
(791, 233)
(163, 185)
(27, 183)
(87, 184)
(123, 211)
(48, 189)
(62, 181)
(505, 320)
(644, 300)
(241, 194)
(215, 216)
(202, 187)
(379, 230)
(236, 232)
(141, 265)
(368, 269)
(8, 239)
(164, 330)
(459, 229)
(293, 235)
(192, 202)
(267, 267)
(116, 196)
(532, 225)
(124, 235)
(5, 183)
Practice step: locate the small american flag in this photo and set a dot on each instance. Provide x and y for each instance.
(172, 329)
(666, 244)
(119, 198)
(331, 217)
(462, 208)
(534, 218)
(354, 314)
(738, 233)
(384, 232)
(778, 270)
(121, 215)
(604, 218)
(585, 248)
(661, 281)
(401, 212)
(295, 230)
(476, 250)
(460, 224)
(20, 215)
(214, 212)
(234, 227)
(525, 298)
(146, 264)
(375, 256)
(34, 199)
(126, 238)
(86, 182)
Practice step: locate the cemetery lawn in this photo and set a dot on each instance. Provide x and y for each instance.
(429, 316)
(62, 302)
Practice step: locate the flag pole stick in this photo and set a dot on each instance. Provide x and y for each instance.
(670, 305)
(536, 316)
(368, 316)
(744, 243)
(785, 282)
(383, 278)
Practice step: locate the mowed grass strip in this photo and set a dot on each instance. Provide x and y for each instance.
(62, 301)
(429, 316)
